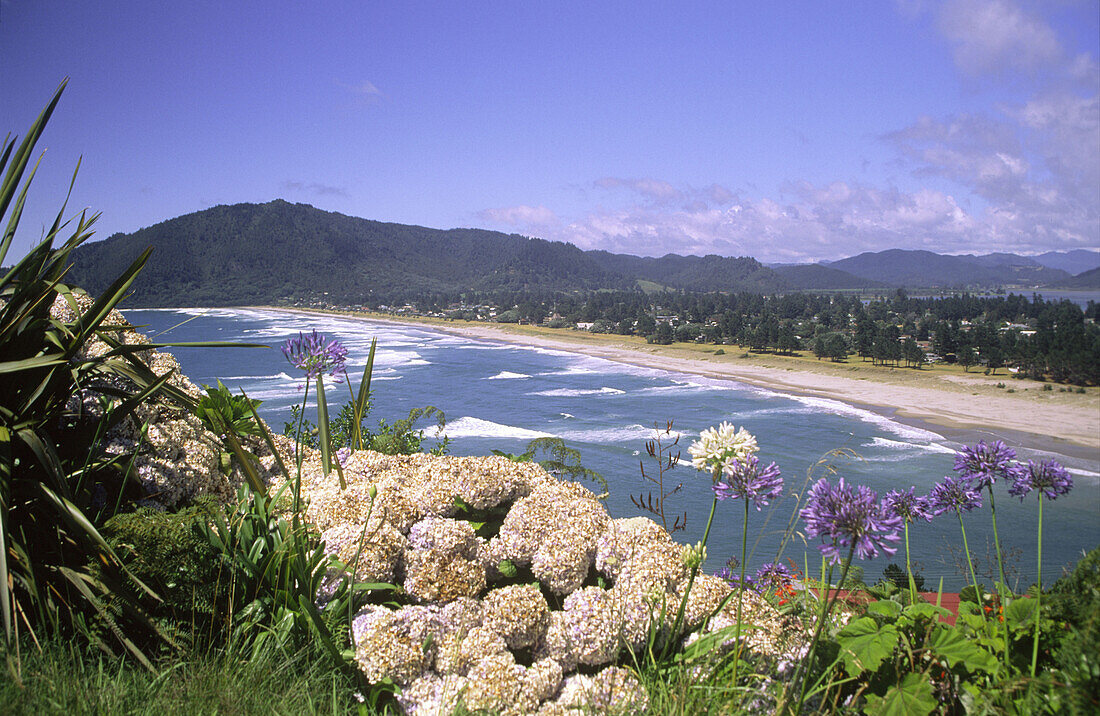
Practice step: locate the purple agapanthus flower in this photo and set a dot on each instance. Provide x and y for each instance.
(1048, 477)
(847, 515)
(954, 494)
(734, 579)
(774, 575)
(312, 354)
(746, 479)
(985, 463)
(907, 505)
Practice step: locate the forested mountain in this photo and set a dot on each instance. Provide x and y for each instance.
(812, 277)
(258, 253)
(1075, 262)
(900, 267)
(267, 253)
(1086, 280)
(695, 273)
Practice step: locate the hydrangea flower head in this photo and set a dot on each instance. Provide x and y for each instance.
(1048, 477)
(907, 505)
(315, 356)
(745, 479)
(847, 515)
(721, 447)
(954, 494)
(985, 463)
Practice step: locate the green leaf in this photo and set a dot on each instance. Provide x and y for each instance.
(29, 363)
(1020, 614)
(924, 610)
(323, 427)
(363, 396)
(913, 697)
(864, 644)
(885, 608)
(951, 645)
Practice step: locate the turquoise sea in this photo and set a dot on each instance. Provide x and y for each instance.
(500, 396)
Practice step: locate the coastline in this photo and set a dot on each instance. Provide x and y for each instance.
(962, 408)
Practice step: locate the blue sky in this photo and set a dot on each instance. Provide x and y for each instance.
(786, 131)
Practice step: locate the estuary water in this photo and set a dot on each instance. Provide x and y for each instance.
(500, 396)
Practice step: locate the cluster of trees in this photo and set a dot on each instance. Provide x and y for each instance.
(1046, 340)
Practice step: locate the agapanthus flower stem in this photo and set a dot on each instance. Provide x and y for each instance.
(741, 590)
(909, 569)
(970, 565)
(826, 607)
(1038, 593)
(299, 457)
(1002, 586)
(691, 582)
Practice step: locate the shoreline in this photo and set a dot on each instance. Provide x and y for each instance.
(961, 408)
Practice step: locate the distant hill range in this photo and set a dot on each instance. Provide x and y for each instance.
(924, 269)
(264, 253)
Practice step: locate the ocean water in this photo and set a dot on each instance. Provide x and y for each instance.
(500, 396)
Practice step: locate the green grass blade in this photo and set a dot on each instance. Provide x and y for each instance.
(6, 471)
(249, 470)
(323, 428)
(364, 395)
(266, 435)
(19, 163)
(15, 366)
(89, 321)
(128, 405)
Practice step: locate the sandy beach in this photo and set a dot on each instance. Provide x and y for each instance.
(960, 406)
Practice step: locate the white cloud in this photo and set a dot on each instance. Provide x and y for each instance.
(652, 189)
(808, 222)
(1021, 178)
(315, 188)
(991, 36)
(529, 217)
(365, 88)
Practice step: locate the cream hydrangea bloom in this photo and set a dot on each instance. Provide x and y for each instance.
(723, 447)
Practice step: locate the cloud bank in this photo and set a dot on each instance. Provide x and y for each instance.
(1022, 178)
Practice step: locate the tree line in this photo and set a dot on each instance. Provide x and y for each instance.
(1043, 339)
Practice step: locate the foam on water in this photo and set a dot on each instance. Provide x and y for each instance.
(471, 427)
(507, 375)
(888, 444)
(681, 387)
(828, 405)
(277, 376)
(578, 392)
(626, 433)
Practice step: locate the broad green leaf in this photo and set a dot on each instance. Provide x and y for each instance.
(1020, 614)
(864, 644)
(950, 644)
(924, 610)
(913, 697)
(884, 607)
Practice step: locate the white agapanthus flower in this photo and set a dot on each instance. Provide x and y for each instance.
(723, 447)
